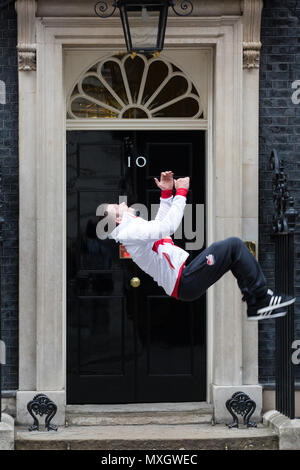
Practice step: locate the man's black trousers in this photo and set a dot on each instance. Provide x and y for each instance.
(220, 257)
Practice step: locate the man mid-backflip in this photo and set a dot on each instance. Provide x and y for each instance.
(151, 247)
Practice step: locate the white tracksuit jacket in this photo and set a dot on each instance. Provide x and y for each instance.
(148, 246)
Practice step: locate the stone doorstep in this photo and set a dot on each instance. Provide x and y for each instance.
(137, 418)
(142, 414)
(148, 437)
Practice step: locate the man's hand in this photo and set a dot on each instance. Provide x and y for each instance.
(182, 183)
(166, 180)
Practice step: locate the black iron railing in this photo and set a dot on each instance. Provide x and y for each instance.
(283, 225)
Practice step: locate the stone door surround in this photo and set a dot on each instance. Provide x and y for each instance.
(232, 182)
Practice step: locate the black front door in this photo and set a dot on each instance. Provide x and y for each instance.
(128, 344)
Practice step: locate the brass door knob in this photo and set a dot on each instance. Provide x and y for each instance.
(135, 282)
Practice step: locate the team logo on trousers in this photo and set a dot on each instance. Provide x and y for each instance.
(210, 259)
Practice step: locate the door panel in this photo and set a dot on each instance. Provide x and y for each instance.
(128, 344)
(170, 333)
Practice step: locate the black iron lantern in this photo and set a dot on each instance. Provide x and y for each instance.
(144, 21)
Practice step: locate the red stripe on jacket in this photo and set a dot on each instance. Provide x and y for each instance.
(162, 241)
(168, 259)
(155, 246)
(175, 290)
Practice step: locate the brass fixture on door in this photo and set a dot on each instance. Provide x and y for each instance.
(135, 282)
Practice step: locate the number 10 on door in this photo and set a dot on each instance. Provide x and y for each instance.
(139, 161)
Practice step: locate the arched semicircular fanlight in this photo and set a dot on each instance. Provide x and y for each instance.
(144, 88)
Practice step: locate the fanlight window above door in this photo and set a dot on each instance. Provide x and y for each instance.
(140, 88)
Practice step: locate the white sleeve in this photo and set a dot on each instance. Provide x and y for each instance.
(164, 207)
(145, 231)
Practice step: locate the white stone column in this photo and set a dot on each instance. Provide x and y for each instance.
(228, 193)
(27, 201)
(27, 231)
(42, 228)
(250, 207)
(51, 219)
(251, 50)
(236, 352)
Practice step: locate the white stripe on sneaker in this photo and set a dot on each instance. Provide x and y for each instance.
(275, 300)
(264, 317)
(267, 313)
(273, 306)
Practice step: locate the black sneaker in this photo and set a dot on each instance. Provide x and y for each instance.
(270, 306)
